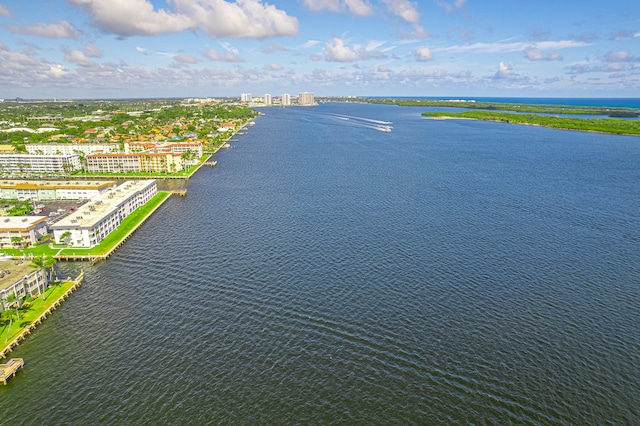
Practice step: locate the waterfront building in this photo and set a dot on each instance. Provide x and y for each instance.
(70, 148)
(158, 147)
(246, 97)
(19, 163)
(267, 99)
(92, 222)
(286, 99)
(306, 98)
(19, 279)
(29, 229)
(166, 162)
(45, 190)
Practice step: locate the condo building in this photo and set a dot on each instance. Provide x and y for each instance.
(70, 148)
(19, 279)
(268, 100)
(21, 231)
(306, 98)
(135, 162)
(44, 190)
(286, 99)
(92, 222)
(19, 163)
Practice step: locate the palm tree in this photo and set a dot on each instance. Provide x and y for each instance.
(65, 237)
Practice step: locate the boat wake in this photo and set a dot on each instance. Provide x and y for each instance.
(370, 123)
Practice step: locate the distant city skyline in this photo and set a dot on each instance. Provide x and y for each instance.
(70, 49)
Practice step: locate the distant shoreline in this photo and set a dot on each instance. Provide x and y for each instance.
(611, 126)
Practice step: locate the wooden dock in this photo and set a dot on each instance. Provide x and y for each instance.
(9, 369)
(180, 192)
(210, 163)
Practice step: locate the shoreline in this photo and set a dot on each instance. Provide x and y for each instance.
(509, 119)
(47, 309)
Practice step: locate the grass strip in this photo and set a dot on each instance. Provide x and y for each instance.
(29, 312)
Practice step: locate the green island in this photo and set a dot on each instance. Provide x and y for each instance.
(601, 125)
(504, 106)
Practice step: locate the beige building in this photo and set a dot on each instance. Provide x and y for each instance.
(28, 229)
(17, 279)
(135, 162)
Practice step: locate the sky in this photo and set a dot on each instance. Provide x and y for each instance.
(79, 49)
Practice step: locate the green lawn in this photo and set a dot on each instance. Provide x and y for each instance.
(30, 312)
(110, 241)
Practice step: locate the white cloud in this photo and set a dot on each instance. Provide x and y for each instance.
(273, 67)
(351, 7)
(60, 29)
(132, 17)
(336, 51)
(4, 11)
(78, 57)
(217, 18)
(423, 54)
(92, 51)
(273, 47)
(404, 9)
(451, 7)
(321, 5)
(240, 19)
(310, 43)
(534, 54)
(509, 47)
(185, 59)
(619, 56)
(214, 55)
(504, 70)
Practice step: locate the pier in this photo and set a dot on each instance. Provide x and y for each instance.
(9, 369)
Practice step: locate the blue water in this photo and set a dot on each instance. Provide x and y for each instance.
(325, 272)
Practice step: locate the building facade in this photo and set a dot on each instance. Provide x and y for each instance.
(92, 222)
(306, 98)
(70, 148)
(18, 280)
(135, 162)
(28, 163)
(286, 99)
(51, 190)
(21, 231)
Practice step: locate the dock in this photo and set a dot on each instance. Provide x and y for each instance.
(210, 163)
(9, 369)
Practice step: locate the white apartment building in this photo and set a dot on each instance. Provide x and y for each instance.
(286, 99)
(19, 163)
(268, 100)
(28, 228)
(156, 147)
(92, 222)
(39, 190)
(70, 148)
(20, 281)
(246, 97)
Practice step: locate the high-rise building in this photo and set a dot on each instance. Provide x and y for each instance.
(267, 99)
(306, 98)
(246, 97)
(286, 99)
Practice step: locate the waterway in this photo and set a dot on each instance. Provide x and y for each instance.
(325, 272)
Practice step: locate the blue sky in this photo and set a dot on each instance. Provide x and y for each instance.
(198, 48)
